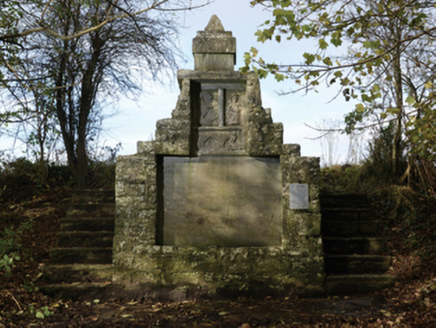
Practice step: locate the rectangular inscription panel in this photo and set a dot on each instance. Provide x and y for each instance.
(224, 201)
(299, 196)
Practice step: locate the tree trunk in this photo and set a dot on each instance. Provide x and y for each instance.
(90, 84)
(42, 165)
(398, 85)
(67, 129)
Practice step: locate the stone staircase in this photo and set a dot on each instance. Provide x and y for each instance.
(81, 263)
(354, 254)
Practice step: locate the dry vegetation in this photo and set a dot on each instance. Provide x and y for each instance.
(29, 219)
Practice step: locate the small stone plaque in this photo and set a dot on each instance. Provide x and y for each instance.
(299, 196)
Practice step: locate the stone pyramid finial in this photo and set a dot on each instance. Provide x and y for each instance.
(214, 25)
(214, 48)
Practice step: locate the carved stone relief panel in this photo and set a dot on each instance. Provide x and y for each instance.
(233, 108)
(221, 129)
(209, 108)
(220, 141)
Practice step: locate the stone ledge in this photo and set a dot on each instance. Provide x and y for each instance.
(211, 76)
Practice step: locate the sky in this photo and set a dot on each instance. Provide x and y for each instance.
(137, 120)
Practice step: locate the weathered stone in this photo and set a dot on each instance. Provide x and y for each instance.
(224, 201)
(307, 224)
(224, 268)
(303, 170)
(146, 148)
(235, 79)
(264, 137)
(253, 90)
(214, 49)
(291, 149)
(221, 141)
(207, 205)
(173, 135)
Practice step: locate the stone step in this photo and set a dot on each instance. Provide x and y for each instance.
(346, 200)
(356, 264)
(341, 228)
(88, 224)
(79, 291)
(357, 284)
(346, 214)
(70, 273)
(349, 246)
(94, 210)
(90, 196)
(85, 239)
(90, 255)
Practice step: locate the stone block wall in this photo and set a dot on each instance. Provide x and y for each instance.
(136, 203)
(219, 114)
(294, 268)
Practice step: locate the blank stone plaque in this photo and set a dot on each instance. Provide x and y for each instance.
(299, 196)
(226, 201)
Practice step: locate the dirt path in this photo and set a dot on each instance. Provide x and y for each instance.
(245, 313)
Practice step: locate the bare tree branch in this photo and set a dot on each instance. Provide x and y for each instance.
(155, 6)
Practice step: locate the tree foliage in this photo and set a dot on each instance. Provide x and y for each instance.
(385, 62)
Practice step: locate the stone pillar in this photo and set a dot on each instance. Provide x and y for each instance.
(302, 226)
(214, 48)
(136, 208)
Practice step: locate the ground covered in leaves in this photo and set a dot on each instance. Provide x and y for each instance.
(411, 305)
(29, 220)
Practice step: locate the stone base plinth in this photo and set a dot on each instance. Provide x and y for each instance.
(228, 271)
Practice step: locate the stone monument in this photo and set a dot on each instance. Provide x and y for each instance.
(217, 203)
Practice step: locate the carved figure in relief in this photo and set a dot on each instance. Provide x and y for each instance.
(208, 143)
(233, 113)
(231, 141)
(228, 141)
(209, 114)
